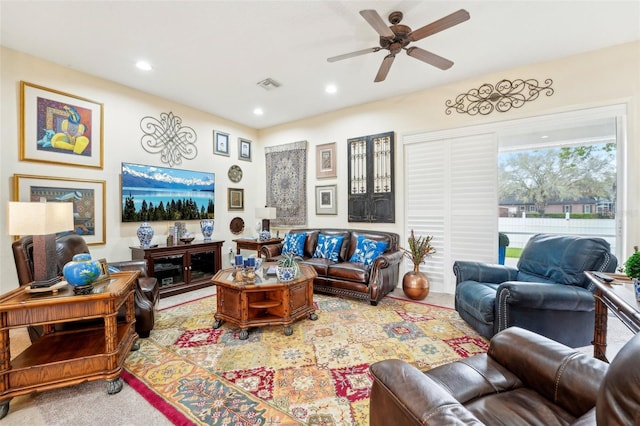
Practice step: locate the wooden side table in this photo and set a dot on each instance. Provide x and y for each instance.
(619, 297)
(254, 244)
(60, 359)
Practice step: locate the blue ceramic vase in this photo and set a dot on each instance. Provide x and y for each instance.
(145, 234)
(81, 271)
(206, 225)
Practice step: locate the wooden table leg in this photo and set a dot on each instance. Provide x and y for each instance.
(600, 329)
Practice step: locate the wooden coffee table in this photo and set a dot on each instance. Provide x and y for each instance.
(266, 301)
(70, 357)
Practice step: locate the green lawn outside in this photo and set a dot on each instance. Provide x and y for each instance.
(513, 252)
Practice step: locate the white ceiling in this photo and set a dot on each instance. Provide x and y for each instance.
(210, 54)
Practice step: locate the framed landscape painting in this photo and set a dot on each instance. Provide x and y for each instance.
(59, 128)
(87, 196)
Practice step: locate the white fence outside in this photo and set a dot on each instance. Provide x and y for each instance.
(519, 229)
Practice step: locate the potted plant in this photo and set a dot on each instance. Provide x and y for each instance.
(632, 269)
(415, 284)
(287, 267)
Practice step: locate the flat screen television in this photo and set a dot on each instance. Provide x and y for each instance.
(151, 193)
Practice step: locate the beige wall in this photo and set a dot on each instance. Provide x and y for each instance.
(123, 110)
(604, 77)
(609, 76)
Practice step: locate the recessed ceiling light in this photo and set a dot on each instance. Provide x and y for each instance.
(258, 111)
(144, 65)
(331, 89)
(544, 137)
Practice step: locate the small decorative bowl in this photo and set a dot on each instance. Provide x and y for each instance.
(187, 240)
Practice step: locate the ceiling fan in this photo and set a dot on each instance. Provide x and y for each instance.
(397, 37)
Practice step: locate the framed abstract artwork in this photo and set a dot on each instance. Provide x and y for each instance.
(87, 196)
(244, 149)
(326, 201)
(59, 128)
(235, 198)
(220, 143)
(326, 160)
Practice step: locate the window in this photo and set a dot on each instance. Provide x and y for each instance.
(566, 209)
(586, 208)
(456, 199)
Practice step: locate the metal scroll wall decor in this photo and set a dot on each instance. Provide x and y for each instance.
(168, 137)
(505, 95)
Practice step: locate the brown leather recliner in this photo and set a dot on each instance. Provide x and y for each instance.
(68, 244)
(524, 379)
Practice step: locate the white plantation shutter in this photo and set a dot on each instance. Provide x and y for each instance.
(451, 193)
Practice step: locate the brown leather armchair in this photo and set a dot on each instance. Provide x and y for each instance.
(68, 244)
(524, 379)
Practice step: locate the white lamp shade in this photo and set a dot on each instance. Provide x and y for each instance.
(24, 218)
(266, 213)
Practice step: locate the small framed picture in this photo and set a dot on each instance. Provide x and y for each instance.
(326, 160)
(326, 201)
(221, 143)
(244, 149)
(235, 198)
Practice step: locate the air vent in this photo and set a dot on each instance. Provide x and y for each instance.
(269, 84)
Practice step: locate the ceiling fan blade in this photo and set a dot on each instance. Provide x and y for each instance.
(384, 68)
(429, 58)
(374, 19)
(441, 24)
(352, 54)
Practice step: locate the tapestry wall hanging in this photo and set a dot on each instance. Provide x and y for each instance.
(286, 167)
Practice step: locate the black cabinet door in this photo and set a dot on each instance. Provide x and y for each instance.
(371, 178)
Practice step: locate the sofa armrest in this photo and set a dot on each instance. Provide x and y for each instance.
(545, 296)
(271, 251)
(483, 272)
(402, 395)
(386, 260)
(563, 375)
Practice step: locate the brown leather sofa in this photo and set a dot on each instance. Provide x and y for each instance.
(524, 379)
(344, 278)
(68, 244)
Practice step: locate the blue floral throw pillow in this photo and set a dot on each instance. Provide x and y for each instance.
(367, 250)
(294, 243)
(328, 247)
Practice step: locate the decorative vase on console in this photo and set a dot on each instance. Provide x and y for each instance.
(206, 225)
(81, 272)
(145, 234)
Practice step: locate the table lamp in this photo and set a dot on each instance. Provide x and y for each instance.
(42, 220)
(266, 214)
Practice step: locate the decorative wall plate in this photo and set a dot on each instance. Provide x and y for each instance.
(235, 173)
(237, 225)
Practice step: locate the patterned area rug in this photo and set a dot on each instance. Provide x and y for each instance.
(317, 376)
